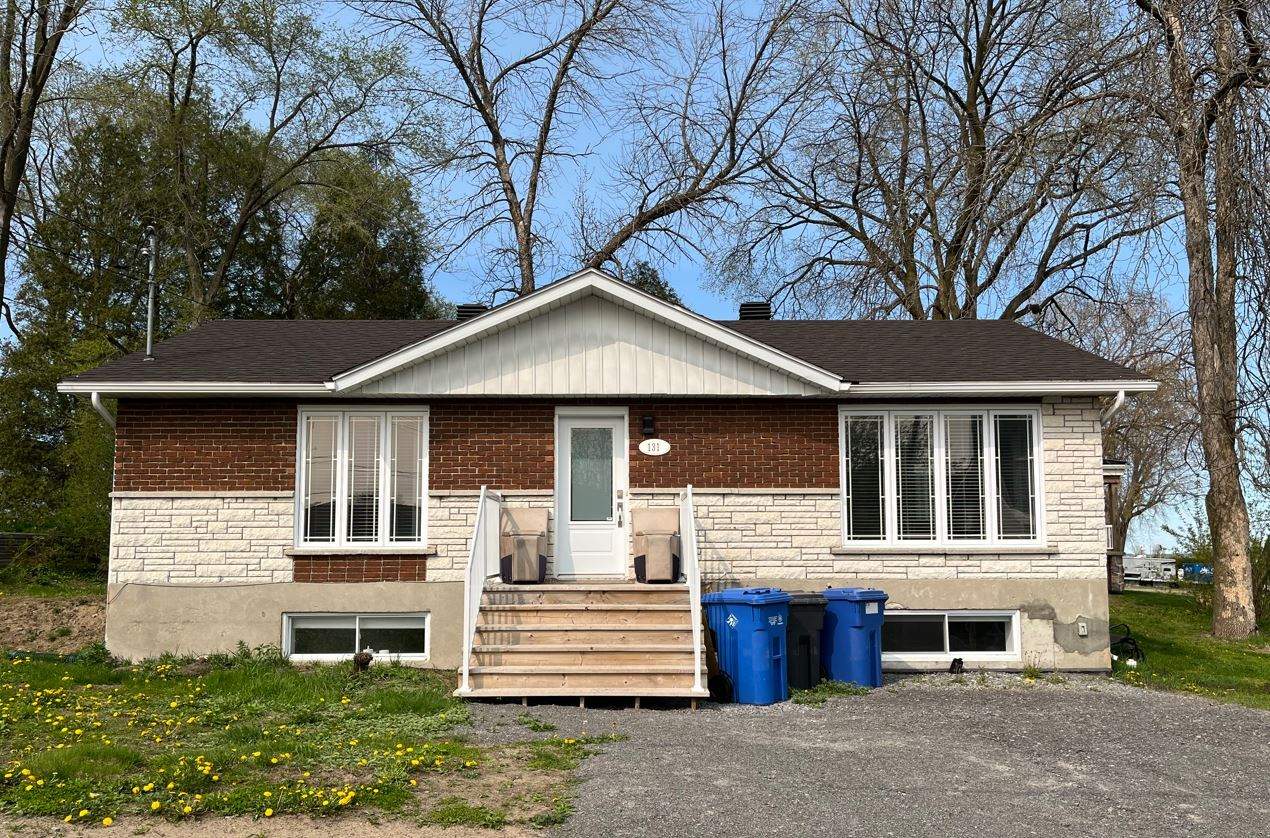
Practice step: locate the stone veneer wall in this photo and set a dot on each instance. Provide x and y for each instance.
(783, 534)
(194, 538)
(745, 533)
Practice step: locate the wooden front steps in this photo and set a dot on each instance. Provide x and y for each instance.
(583, 639)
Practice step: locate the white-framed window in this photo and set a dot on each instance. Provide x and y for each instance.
(335, 637)
(362, 477)
(941, 476)
(943, 635)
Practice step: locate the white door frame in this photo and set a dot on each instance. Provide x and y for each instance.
(621, 483)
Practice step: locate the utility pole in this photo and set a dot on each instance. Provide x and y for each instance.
(151, 248)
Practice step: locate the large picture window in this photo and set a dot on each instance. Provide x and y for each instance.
(943, 477)
(362, 477)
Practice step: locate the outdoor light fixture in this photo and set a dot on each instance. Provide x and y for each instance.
(646, 426)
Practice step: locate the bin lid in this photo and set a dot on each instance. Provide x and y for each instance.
(806, 598)
(747, 596)
(856, 594)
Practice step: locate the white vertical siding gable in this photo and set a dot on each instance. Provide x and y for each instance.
(590, 346)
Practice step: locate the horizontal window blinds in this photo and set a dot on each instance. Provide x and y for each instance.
(1016, 491)
(915, 476)
(963, 446)
(865, 441)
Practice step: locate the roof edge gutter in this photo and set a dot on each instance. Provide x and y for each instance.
(1114, 407)
(995, 388)
(102, 410)
(191, 388)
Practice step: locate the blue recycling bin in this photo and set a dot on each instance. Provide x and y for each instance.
(748, 625)
(851, 642)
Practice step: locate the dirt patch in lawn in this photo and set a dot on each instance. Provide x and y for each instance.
(509, 791)
(51, 624)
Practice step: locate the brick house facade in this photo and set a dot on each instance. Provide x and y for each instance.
(249, 491)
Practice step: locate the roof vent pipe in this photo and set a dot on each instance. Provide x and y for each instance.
(760, 310)
(466, 311)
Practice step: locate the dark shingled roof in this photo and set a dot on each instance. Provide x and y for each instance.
(268, 351)
(872, 351)
(878, 351)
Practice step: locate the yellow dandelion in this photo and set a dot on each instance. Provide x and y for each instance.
(268, 813)
(155, 806)
(107, 821)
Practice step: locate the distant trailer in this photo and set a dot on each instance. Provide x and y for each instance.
(1149, 570)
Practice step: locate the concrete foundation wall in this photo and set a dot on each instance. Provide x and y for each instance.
(147, 620)
(1049, 614)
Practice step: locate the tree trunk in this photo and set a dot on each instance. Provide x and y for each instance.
(1234, 614)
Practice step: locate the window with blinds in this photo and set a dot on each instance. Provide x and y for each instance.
(963, 459)
(406, 470)
(362, 477)
(1016, 489)
(915, 477)
(866, 512)
(941, 476)
(321, 435)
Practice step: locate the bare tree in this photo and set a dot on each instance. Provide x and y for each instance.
(543, 84)
(1253, 295)
(32, 35)
(967, 156)
(1153, 432)
(305, 91)
(1208, 57)
(714, 111)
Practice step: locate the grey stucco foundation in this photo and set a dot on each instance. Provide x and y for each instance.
(147, 620)
(1049, 614)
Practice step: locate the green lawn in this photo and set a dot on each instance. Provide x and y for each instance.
(1181, 655)
(25, 584)
(94, 742)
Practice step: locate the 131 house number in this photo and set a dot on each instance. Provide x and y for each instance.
(654, 447)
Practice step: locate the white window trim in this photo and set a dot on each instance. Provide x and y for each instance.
(942, 541)
(342, 412)
(357, 617)
(1014, 642)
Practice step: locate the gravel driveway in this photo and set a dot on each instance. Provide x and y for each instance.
(925, 756)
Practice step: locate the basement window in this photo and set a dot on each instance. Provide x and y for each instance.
(362, 478)
(927, 635)
(335, 637)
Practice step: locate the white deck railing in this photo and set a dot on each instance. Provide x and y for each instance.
(482, 562)
(692, 570)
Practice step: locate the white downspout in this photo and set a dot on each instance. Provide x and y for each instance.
(1113, 408)
(101, 409)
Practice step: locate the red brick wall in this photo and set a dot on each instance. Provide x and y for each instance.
(785, 444)
(509, 444)
(249, 444)
(359, 569)
(499, 443)
(205, 444)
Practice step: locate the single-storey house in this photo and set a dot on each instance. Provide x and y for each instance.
(330, 486)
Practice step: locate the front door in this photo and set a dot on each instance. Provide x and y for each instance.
(590, 494)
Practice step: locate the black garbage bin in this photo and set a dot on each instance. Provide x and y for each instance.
(806, 619)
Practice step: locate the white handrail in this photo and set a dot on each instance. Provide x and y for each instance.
(483, 548)
(692, 570)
